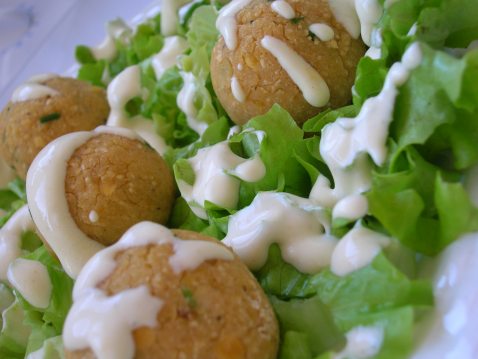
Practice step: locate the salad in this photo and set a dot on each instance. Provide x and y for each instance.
(336, 218)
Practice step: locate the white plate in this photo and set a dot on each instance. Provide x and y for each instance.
(55, 28)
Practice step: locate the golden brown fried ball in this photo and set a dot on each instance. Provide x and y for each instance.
(263, 79)
(217, 311)
(81, 107)
(124, 181)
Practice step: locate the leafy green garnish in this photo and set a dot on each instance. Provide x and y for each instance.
(295, 20)
(50, 117)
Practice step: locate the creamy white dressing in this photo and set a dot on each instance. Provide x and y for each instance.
(213, 182)
(283, 8)
(45, 186)
(346, 14)
(185, 102)
(250, 171)
(362, 342)
(352, 207)
(166, 58)
(369, 13)
(413, 30)
(356, 250)
(93, 216)
(7, 174)
(374, 53)
(296, 224)
(170, 17)
(33, 89)
(226, 22)
(31, 279)
(106, 49)
(449, 329)
(237, 90)
(346, 142)
(234, 130)
(322, 31)
(125, 87)
(357, 16)
(105, 324)
(11, 238)
(313, 87)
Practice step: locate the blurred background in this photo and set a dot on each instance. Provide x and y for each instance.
(39, 36)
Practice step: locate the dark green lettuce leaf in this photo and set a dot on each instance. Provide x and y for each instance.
(279, 278)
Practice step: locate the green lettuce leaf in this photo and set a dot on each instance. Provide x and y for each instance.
(202, 29)
(14, 335)
(12, 199)
(311, 317)
(279, 278)
(47, 322)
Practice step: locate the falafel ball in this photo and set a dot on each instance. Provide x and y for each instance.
(264, 81)
(217, 311)
(24, 129)
(113, 182)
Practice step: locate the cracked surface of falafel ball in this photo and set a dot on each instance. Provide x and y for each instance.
(217, 311)
(264, 81)
(79, 106)
(113, 182)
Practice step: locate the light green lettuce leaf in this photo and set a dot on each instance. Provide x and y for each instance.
(14, 335)
(202, 29)
(47, 322)
(311, 317)
(12, 199)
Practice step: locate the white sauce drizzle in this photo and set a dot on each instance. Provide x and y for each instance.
(31, 279)
(346, 142)
(166, 58)
(226, 22)
(312, 85)
(107, 49)
(322, 31)
(170, 17)
(105, 323)
(7, 174)
(93, 217)
(356, 250)
(283, 9)
(124, 87)
(214, 181)
(185, 102)
(250, 171)
(357, 16)
(296, 224)
(237, 90)
(45, 187)
(374, 53)
(362, 342)
(11, 238)
(413, 30)
(369, 13)
(352, 207)
(234, 130)
(345, 13)
(46, 197)
(33, 89)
